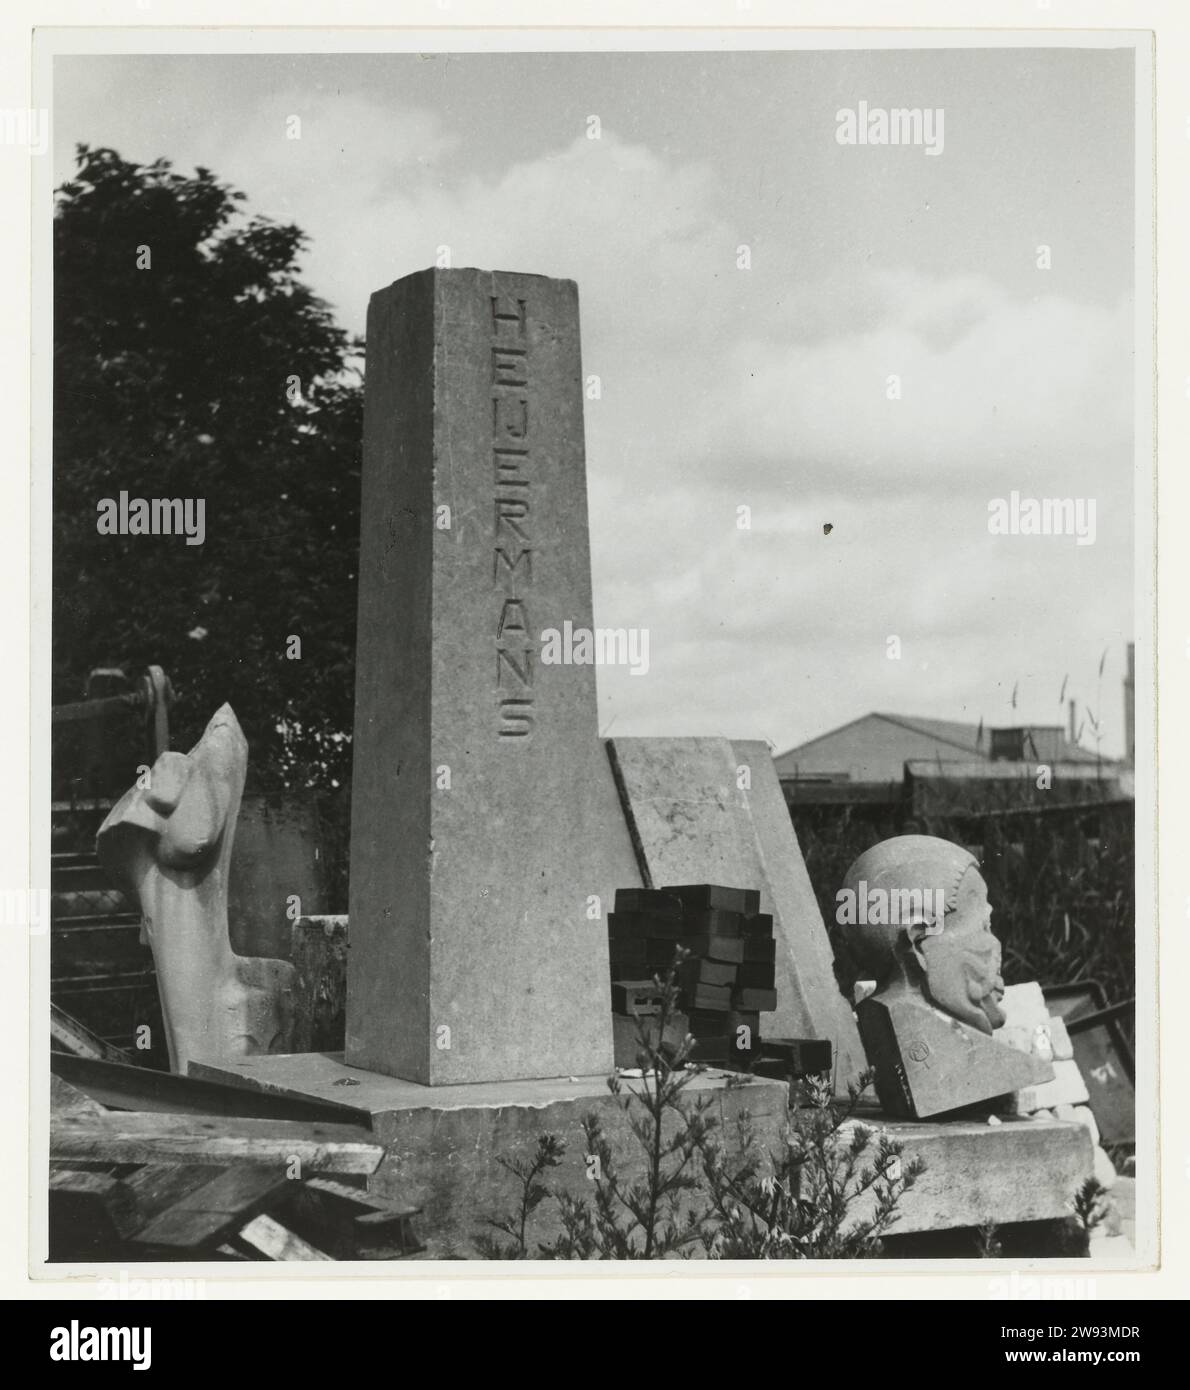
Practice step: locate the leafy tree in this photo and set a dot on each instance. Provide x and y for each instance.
(190, 361)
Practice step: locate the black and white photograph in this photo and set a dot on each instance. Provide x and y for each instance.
(596, 631)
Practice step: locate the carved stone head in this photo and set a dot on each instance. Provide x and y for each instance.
(920, 918)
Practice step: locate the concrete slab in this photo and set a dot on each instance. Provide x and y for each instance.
(978, 1172)
(442, 1144)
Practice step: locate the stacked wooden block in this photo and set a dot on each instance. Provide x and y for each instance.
(726, 981)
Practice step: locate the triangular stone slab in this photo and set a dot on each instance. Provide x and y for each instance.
(709, 810)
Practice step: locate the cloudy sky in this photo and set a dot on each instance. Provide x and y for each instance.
(762, 387)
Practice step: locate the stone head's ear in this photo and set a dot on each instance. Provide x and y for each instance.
(167, 782)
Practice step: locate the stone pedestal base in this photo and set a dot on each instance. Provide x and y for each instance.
(443, 1143)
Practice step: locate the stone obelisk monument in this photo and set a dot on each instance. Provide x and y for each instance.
(487, 839)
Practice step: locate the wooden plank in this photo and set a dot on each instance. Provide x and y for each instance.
(276, 1243)
(373, 1221)
(84, 1181)
(141, 1138)
(386, 1230)
(158, 1186)
(79, 1197)
(66, 1099)
(78, 1040)
(215, 1210)
(358, 1195)
(350, 1222)
(124, 1087)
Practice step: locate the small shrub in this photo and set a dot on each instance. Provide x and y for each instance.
(655, 1217)
(832, 1193)
(1091, 1204)
(548, 1154)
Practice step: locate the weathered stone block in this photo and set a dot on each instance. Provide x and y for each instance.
(1067, 1088)
(1024, 1005)
(1026, 1024)
(1080, 1114)
(978, 1173)
(276, 857)
(1105, 1172)
(318, 949)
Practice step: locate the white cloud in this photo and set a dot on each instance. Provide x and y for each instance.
(724, 387)
(993, 391)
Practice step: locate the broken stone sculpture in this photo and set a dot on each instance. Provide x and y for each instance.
(170, 840)
(915, 910)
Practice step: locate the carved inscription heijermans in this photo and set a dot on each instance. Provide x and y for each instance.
(512, 559)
